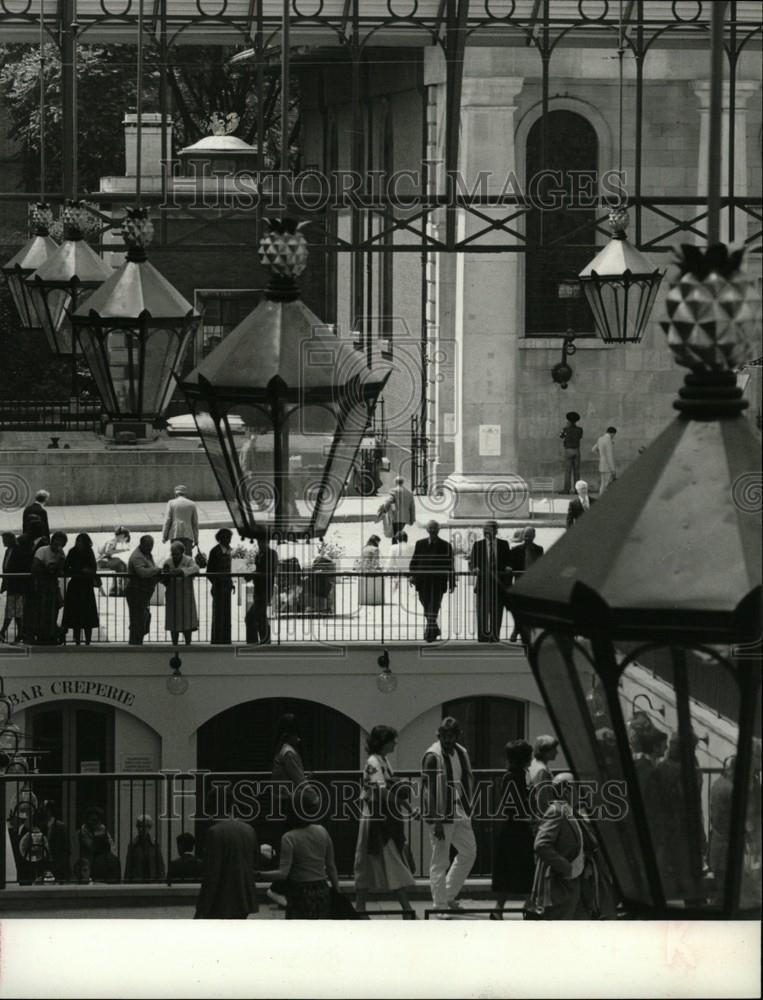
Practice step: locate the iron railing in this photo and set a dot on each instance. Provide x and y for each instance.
(47, 415)
(176, 800)
(306, 606)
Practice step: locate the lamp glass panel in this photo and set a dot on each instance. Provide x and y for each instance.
(311, 434)
(566, 671)
(352, 411)
(621, 307)
(687, 799)
(163, 349)
(51, 304)
(19, 290)
(96, 353)
(750, 895)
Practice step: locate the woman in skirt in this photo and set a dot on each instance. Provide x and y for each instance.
(381, 855)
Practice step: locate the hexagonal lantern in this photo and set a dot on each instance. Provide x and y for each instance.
(134, 332)
(305, 399)
(66, 279)
(30, 257)
(657, 589)
(620, 286)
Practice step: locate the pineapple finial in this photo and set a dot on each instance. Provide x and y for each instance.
(712, 310)
(137, 232)
(618, 222)
(40, 218)
(284, 251)
(78, 220)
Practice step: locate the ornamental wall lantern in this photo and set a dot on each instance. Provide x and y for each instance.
(134, 332)
(305, 397)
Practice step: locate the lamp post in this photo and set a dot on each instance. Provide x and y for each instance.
(305, 397)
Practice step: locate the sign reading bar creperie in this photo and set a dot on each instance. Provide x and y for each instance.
(88, 689)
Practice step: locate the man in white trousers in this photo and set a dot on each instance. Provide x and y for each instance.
(447, 791)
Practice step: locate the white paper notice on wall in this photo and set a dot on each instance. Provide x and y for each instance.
(490, 440)
(89, 767)
(137, 762)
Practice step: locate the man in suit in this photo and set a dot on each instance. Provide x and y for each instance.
(432, 572)
(522, 558)
(59, 847)
(560, 854)
(186, 867)
(404, 506)
(571, 435)
(265, 569)
(580, 504)
(34, 522)
(490, 560)
(142, 577)
(181, 522)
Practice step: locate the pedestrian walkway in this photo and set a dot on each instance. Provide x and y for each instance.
(214, 514)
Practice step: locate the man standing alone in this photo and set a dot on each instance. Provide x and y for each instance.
(491, 562)
(181, 522)
(571, 435)
(605, 449)
(432, 572)
(447, 789)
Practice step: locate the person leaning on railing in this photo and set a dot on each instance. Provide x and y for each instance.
(142, 577)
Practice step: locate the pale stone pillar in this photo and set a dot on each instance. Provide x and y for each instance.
(486, 320)
(743, 91)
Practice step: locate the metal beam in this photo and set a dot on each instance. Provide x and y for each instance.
(455, 47)
(68, 29)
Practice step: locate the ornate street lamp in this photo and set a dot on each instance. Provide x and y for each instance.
(620, 286)
(30, 257)
(304, 396)
(633, 585)
(134, 332)
(66, 279)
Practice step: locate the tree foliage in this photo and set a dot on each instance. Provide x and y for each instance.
(200, 80)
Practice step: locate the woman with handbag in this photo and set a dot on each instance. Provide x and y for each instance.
(80, 609)
(382, 857)
(221, 586)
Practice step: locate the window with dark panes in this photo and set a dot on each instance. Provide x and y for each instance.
(561, 239)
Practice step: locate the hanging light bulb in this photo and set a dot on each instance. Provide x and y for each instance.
(386, 681)
(176, 683)
(35, 252)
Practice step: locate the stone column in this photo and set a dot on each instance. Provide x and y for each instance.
(743, 90)
(485, 314)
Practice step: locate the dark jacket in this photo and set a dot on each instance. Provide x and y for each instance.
(17, 560)
(144, 861)
(219, 562)
(576, 510)
(34, 522)
(186, 868)
(265, 569)
(523, 556)
(432, 564)
(228, 889)
(478, 563)
(59, 849)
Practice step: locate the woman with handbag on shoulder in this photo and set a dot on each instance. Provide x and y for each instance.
(382, 856)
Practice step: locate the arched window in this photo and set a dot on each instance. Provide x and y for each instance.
(561, 238)
(487, 724)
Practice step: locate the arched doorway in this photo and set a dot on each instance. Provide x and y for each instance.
(241, 739)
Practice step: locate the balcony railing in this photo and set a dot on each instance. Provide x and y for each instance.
(305, 606)
(175, 802)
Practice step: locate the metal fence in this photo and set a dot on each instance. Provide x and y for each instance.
(176, 803)
(305, 606)
(46, 415)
